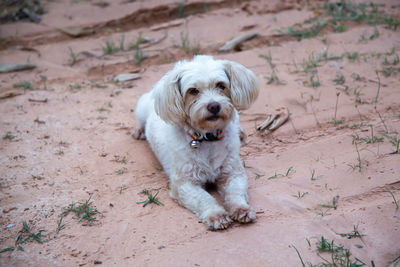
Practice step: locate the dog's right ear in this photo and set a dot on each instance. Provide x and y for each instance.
(244, 84)
(168, 99)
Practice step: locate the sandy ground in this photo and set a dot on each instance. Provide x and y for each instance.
(62, 151)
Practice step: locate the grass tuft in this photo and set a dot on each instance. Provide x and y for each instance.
(121, 171)
(300, 194)
(373, 138)
(289, 171)
(110, 48)
(83, 210)
(353, 56)
(7, 249)
(24, 85)
(119, 159)
(333, 205)
(181, 9)
(122, 189)
(339, 255)
(259, 175)
(9, 136)
(340, 79)
(150, 198)
(139, 57)
(352, 234)
(336, 14)
(314, 176)
(314, 79)
(60, 226)
(273, 78)
(73, 57)
(186, 46)
(359, 164)
(27, 235)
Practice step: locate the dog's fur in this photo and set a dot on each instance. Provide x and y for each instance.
(177, 108)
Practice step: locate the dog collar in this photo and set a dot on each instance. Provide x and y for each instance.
(209, 137)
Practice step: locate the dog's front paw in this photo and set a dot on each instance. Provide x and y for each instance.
(243, 214)
(242, 136)
(219, 221)
(138, 134)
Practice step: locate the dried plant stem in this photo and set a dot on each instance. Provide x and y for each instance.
(315, 116)
(337, 101)
(379, 88)
(291, 121)
(383, 122)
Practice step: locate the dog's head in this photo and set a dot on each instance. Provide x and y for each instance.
(203, 93)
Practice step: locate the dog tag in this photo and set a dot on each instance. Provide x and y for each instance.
(194, 144)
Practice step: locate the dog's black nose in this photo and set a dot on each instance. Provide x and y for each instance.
(214, 107)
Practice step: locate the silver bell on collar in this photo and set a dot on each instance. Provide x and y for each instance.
(194, 144)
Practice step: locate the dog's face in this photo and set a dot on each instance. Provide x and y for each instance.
(204, 92)
(206, 96)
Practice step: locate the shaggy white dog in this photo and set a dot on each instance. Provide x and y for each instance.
(191, 122)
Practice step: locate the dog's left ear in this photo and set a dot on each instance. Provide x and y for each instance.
(168, 98)
(244, 84)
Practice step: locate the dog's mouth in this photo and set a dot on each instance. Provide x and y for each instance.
(213, 118)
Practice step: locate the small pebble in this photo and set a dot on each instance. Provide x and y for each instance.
(44, 212)
(126, 77)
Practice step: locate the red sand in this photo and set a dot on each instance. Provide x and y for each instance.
(63, 150)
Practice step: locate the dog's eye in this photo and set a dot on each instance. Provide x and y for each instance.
(193, 91)
(221, 86)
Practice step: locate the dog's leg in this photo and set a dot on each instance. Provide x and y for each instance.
(142, 112)
(201, 203)
(232, 186)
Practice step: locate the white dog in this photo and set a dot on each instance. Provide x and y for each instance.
(191, 122)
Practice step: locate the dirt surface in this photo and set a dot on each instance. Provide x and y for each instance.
(65, 134)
